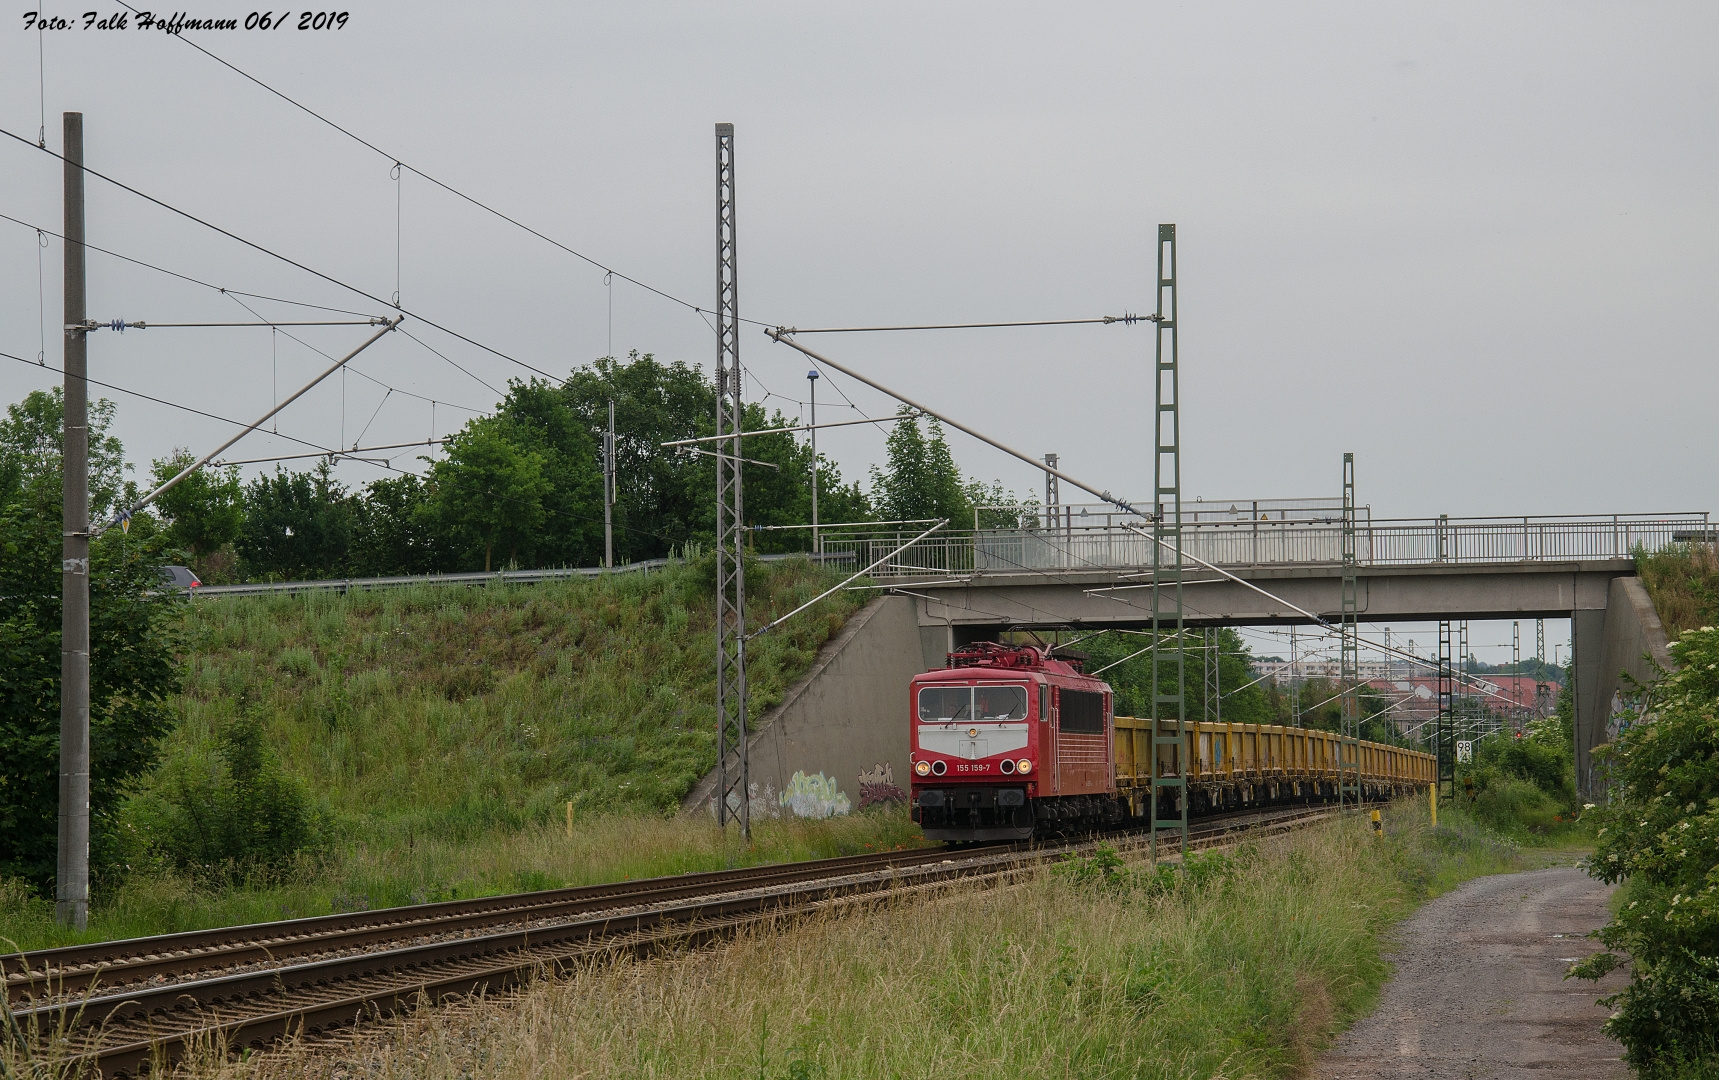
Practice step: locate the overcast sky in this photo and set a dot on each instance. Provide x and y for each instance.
(1477, 245)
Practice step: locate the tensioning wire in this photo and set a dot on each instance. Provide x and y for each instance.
(183, 408)
(449, 188)
(253, 245)
(184, 277)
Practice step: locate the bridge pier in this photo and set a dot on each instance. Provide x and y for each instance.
(1587, 644)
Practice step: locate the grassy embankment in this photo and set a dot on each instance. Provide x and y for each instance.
(1246, 969)
(1683, 582)
(439, 732)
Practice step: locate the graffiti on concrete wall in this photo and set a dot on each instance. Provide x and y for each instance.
(815, 796)
(877, 785)
(758, 805)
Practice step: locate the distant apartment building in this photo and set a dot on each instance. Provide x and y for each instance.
(1412, 699)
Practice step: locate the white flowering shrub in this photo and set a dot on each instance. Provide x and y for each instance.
(1660, 835)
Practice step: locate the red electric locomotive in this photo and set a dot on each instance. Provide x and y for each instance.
(1005, 737)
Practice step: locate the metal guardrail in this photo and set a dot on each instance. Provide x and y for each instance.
(1393, 542)
(343, 585)
(1233, 541)
(498, 577)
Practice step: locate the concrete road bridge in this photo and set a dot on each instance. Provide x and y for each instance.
(1084, 567)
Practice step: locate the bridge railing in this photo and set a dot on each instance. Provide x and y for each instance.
(1305, 542)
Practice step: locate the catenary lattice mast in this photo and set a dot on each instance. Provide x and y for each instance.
(1349, 726)
(732, 795)
(1169, 662)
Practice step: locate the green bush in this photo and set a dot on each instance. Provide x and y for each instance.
(235, 813)
(1660, 833)
(1524, 786)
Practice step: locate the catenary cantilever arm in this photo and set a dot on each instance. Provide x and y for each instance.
(1121, 504)
(835, 588)
(260, 421)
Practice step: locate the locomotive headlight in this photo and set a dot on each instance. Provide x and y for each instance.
(1007, 766)
(972, 733)
(1025, 765)
(939, 768)
(923, 768)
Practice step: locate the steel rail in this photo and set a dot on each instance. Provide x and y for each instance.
(73, 968)
(123, 1033)
(120, 1033)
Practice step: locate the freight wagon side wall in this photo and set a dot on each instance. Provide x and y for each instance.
(1263, 753)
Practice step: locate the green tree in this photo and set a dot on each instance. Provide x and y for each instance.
(919, 479)
(296, 525)
(203, 511)
(489, 491)
(393, 530)
(1659, 832)
(30, 439)
(664, 499)
(131, 665)
(541, 419)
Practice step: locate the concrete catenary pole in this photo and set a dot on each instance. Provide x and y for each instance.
(72, 887)
(609, 491)
(812, 384)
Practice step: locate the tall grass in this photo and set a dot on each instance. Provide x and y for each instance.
(445, 712)
(365, 875)
(1244, 975)
(1683, 582)
(441, 731)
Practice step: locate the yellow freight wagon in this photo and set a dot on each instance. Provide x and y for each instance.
(1232, 765)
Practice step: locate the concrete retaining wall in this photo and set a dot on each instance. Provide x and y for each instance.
(838, 740)
(1633, 643)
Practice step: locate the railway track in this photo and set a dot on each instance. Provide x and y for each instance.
(121, 1006)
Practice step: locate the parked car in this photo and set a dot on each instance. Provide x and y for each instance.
(180, 577)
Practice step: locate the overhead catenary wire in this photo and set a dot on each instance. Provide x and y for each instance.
(323, 450)
(783, 337)
(1125, 319)
(223, 463)
(40, 231)
(339, 365)
(730, 457)
(1105, 495)
(453, 364)
(782, 430)
(122, 325)
(433, 402)
(252, 244)
(449, 188)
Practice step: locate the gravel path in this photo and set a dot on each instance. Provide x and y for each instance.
(1479, 991)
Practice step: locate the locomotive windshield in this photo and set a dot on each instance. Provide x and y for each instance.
(955, 703)
(1000, 702)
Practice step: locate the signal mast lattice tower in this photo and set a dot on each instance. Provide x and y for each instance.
(732, 792)
(1445, 733)
(1169, 710)
(1542, 689)
(1349, 726)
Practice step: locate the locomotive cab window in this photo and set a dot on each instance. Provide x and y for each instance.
(1000, 702)
(948, 703)
(1082, 712)
(953, 704)
(1044, 701)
